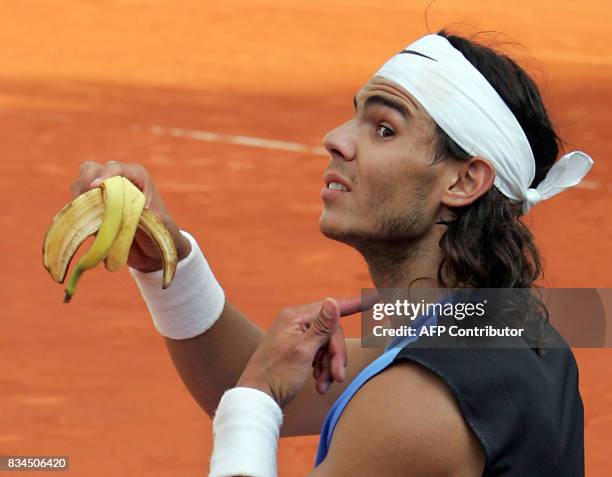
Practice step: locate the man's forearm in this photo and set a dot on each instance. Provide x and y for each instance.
(209, 340)
(212, 362)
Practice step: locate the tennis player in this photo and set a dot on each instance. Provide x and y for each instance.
(449, 146)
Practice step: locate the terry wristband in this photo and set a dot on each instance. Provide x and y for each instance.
(193, 301)
(246, 430)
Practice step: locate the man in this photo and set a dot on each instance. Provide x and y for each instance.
(450, 144)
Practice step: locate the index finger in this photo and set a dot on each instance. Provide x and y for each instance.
(136, 173)
(87, 172)
(348, 306)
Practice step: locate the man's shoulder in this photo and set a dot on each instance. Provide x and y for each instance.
(404, 418)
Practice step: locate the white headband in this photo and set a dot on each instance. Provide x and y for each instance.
(465, 105)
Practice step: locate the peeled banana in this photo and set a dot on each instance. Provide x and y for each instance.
(113, 212)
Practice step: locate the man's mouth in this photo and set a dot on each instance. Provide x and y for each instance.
(335, 182)
(337, 186)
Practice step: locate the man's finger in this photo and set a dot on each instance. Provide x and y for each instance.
(325, 377)
(349, 306)
(110, 169)
(324, 324)
(337, 350)
(87, 172)
(318, 356)
(316, 363)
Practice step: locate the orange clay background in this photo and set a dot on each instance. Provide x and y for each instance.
(102, 80)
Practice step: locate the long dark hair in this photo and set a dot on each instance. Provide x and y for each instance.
(486, 245)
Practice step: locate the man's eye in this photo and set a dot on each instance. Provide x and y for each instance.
(384, 131)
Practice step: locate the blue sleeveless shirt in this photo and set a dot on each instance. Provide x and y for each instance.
(524, 408)
(375, 367)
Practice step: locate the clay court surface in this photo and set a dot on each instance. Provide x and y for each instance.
(140, 81)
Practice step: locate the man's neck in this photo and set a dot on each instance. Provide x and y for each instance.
(405, 265)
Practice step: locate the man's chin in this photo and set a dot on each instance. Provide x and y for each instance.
(329, 228)
(335, 231)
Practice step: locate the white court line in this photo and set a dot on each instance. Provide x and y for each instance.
(239, 140)
(284, 146)
(587, 184)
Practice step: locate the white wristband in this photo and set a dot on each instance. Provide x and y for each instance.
(193, 301)
(246, 429)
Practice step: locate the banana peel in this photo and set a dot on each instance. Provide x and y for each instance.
(113, 212)
(155, 229)
(134, 202)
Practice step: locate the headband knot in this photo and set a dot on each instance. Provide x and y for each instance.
(565, 173)
(533, 197)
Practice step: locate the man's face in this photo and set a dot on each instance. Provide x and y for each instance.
(383, 157)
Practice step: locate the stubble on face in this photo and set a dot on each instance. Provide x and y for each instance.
(393, 210)
(395, 234)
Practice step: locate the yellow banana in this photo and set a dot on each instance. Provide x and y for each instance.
(115, 211)
(153, 226)
(111, 224)
(133, 203)
(69, 229)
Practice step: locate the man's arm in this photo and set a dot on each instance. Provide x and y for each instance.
(404, 421)
(211, 342)
(212, 362)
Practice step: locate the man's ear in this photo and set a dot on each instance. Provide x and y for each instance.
(471, 179)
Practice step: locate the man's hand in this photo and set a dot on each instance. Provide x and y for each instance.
(302, 338)
(144, 255)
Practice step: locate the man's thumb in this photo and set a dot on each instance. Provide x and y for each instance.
(324, 324)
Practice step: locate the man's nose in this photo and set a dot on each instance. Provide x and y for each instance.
(340, 142)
